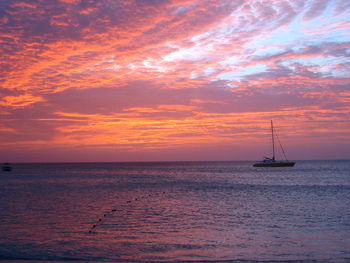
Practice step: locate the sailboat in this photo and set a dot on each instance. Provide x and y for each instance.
(271, 162)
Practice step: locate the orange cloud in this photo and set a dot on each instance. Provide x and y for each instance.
(20, 101)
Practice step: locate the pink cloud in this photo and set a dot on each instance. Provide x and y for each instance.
(316, 9)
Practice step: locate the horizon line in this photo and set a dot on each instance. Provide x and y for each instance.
(170, 161)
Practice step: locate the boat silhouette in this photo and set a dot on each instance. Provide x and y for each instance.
(271, 162)
(6, 167)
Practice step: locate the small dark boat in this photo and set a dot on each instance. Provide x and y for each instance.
(267, 162)
(271, 162)
(6, 167)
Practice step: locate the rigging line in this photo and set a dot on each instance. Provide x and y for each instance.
(284, 154)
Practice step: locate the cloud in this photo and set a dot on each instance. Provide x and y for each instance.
(315, 9)
(20, 101)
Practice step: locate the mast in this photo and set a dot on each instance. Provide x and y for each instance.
(273, 142)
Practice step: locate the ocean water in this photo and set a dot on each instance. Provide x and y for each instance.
(177, 211)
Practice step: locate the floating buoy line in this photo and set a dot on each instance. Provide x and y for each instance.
(106, 214)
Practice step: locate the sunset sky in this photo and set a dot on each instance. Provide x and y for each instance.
(159, 80)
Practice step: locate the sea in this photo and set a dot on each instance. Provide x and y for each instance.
(175, 212)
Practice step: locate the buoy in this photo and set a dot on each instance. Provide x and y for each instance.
(114, 210)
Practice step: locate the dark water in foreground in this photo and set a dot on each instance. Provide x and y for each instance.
(205, 211)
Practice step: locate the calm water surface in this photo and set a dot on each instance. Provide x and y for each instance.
(197, 211)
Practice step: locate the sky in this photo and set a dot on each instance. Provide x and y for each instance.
(173, 80)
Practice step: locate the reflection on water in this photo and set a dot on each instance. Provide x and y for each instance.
(176, 211)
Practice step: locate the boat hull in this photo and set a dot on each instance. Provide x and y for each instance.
(276, 164)
(6, 167)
